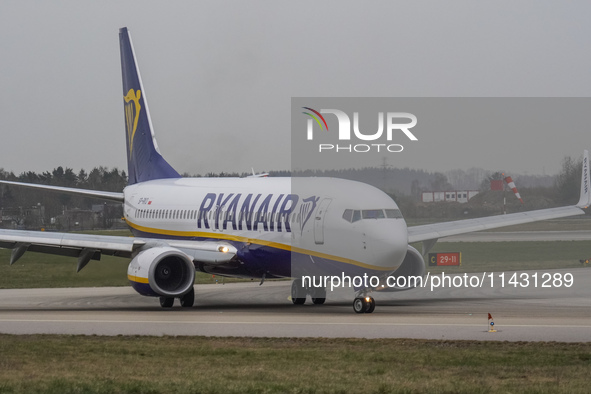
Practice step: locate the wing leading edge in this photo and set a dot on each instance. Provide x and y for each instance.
(88, 247)
(446, 229)
(113, 196)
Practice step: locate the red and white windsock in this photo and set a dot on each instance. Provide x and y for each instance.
(511, 184)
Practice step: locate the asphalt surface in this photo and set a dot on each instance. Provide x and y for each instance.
(532, 313)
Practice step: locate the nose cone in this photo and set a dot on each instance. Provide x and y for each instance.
(388, 242)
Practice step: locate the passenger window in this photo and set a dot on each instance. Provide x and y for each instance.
(348, 214)
(356, 216)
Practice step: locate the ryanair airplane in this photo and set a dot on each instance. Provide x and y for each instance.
(253, 227)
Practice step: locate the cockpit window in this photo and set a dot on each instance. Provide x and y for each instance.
(353, 216)
(373, 214)
(393, 214)
(348, 214)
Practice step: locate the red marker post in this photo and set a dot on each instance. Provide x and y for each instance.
(491, 324)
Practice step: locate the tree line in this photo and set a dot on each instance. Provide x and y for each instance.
(33, 208)
(403, 184)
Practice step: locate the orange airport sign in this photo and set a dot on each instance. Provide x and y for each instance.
(444, 259)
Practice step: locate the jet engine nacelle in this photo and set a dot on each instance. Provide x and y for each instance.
(406, 275)
(161, 271)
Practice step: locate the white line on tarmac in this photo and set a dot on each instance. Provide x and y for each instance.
(287, 323)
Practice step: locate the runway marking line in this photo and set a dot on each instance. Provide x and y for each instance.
(283, 323)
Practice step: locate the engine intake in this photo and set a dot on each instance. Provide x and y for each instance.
(162, 271)
(412, 268)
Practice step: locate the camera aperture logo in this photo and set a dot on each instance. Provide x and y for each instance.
(397, 124)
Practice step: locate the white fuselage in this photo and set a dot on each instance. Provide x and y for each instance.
(325, 223)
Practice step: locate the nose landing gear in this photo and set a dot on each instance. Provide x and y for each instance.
(364, 304)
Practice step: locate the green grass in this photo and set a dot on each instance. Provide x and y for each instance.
(565, 224)
(78, 364)
(508, 256)
(36, 270)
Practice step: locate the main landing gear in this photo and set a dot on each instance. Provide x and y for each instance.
(187, 300)
(299, 293)
(364, 304)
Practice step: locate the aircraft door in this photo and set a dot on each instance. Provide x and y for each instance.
(127, 208)
(319, 221)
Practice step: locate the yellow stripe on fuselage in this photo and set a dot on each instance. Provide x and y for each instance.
(256, 241)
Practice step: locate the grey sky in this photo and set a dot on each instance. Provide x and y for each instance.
(219, 76)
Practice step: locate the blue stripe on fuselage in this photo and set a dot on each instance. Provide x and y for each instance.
(275, 262)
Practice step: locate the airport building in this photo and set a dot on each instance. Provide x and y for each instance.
(455, 196)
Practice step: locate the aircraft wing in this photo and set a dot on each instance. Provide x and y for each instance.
(113, 196)
(431, 232)
(439, 230)
(90, 247)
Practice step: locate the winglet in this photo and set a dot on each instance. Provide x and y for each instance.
(585, 199)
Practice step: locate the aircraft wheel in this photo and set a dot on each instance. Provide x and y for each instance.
(359, 305)
(318, 295)
(298, 293)
(166, 302)
(188, 299)
(371, 305)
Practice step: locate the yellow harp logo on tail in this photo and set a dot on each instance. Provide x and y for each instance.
(132, 115)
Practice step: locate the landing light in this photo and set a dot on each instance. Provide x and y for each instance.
(367, 299)
(223, 249)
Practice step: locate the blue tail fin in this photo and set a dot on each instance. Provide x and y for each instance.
(144, 161)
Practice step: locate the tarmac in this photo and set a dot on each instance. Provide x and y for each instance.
(531, 313)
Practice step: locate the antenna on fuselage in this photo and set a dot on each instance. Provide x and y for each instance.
(255, 175)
